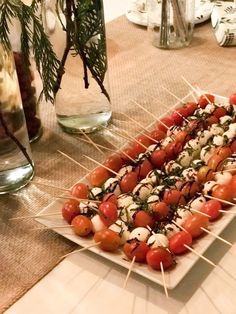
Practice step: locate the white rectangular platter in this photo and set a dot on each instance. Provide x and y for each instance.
(173, 276)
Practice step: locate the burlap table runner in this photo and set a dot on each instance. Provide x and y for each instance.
(137, 73)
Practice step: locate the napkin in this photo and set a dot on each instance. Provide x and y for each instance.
(223, 19)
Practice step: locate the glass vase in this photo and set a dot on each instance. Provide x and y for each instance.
(170, 22)
(16, 166)
(83, 100)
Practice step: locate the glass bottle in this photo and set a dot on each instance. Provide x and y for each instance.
(171, 22)
(83, 99)
(16, 165)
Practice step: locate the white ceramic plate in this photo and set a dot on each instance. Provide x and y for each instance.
(203, 9)
(173, 276)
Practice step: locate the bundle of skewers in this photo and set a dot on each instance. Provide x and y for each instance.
(153, 198)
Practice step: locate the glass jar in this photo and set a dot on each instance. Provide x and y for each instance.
(171, 22)
(28, 96)
(83, 99)
(16, 166)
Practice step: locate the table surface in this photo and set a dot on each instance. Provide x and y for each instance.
(83, 283)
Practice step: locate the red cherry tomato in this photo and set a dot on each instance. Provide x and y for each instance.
(183, 111)
(182, 137)
(191, 107)
(108, 213)
(174, 197)
(157, 256)
(80, 190)
(190, 189)
(143, 169)
(165, 124)
(128, 182)
(82, 225)
(157, 135)
(98, 176)
(173, 149)
(195, 223)
(158, 158)
(233, 146)
(110, 197)
(70, 209)
(178, 242)
(108, 240)
(223, 152)
(219, 112)
(137, 249)
(177, 117)
(205, 174)
(129, 151)
(212, 208)
(205, 99)
(223, 192)
(193, 125)
(232, 183)
(160, 210)
(211, 120)
(232, 99)
(143, 219)
(215, 162)
(114, 162)
(144, 140)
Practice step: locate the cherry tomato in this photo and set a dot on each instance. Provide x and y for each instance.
(177, 117)
(211, 120)
(143, 219)
(191, 107)
(82, 225)
(193, 125)
(157, 256)
(219, 112)
(215, 162)
(223, 192)
(182, 137)
(190, 189)
(205, 99)
(183, 111)
(212, 208)
(160, 210)
(174, 197)
(144, 140)
(205, 174)
(165, 123)
(80, 190)
(114, 162)
(70, 209)
(98, 176)
(108, 213)
(224, 152)
(195, 223)
(157, 135)
(173, 149)
(232, 99)
(108, 240)
(110, 197)
(128, 182)
(158, 158)
(178, 242)
(232, 183)
(233, 146)
(143, 169)
(131, 152)
(137, 249)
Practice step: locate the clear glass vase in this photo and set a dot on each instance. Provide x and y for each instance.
(16, 165)
(83, 100)
(170, 22)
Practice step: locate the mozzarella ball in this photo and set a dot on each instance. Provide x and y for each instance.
(153, 148)
(194, 143)
(97, 224)
(183, 214)
(158, 190)
(124, 170)
(142, 190)
(197, 203)
(223, 177)
(228, 135)
(86, 207)
(124, 200)
(171, 229)
(218, 140)
(155, 176)
(140, 234)
(173, 166)
(209, 187)
(216, 129)
(204, 136)
(95, 193)
(206, 153)
(232, 127)
(166, 141)
(225, 119)
(126, 213)
(157, 240)
(120, 227)
(174, 129)
(189, 174)
(209, 108)
(153, 199)
(185, 158)
(112, 186)
(197, 164)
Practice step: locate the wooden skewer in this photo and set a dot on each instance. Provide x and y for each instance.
(179, 114)
(216, 236)
(197, 211)
(74, 161)
(176, 97)
(200, 255)
(77, 199)
(81, 250)
(129, 272)
(101, 146)
(51, 228)
(225, 170)
(217, 199)
(36, 216)
(118, 149)
(141, 126)
(105, 167)
(151, 114)
(191, 249)
(93, 143)
(51, 186)
(191, 86)
(164, 280)
(204, 95)
(227, 211)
